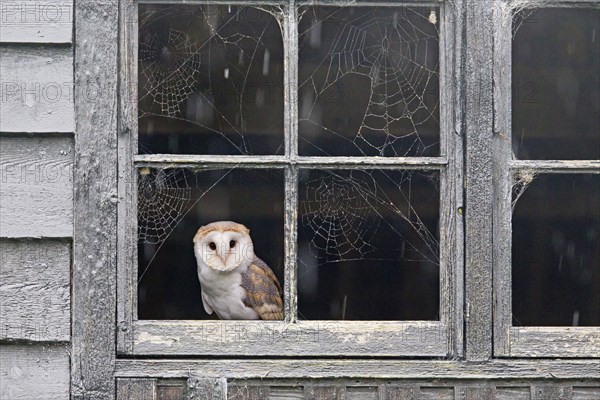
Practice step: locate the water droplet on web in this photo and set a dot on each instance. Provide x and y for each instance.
(432, 17)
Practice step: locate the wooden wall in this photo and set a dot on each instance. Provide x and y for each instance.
(36, 198)
(37, 153)
(220, 389)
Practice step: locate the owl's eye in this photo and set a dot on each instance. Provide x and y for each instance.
(232, 244)
(212, 246)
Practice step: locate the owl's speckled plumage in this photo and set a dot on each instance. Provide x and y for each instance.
(236, 284)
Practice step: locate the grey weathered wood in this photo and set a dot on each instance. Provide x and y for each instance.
(291, 235)
(555, 342)
(451, 180)
(290, 72)
(322, 392)
(286, 393)
(207, 388)
(37, 89)
(34, 372)
(437, 393)
(554, 392)
(478, 174)
(171, 390)
(127, 274)
(36, 21)
(247, 392)
(586, 393)
(404, 392)
(305, 338)
(137, 389)
(502, 212)
(478, 391)
(95, 235)
(557, 166)
(211, 161)
(361, 369)
(361, 393)
(512, 393)
(36, 187)
(35, 301)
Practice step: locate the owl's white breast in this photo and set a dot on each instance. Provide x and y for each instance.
(224, 293)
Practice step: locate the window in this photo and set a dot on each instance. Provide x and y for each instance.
(330, 133)
(547, 184)
(337, 135)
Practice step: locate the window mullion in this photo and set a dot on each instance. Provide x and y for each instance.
(502, 154)
(290, 35)
(290, 231)
(478, 170)
(290, 72)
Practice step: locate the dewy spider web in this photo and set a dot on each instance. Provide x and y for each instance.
(170, 71)
(396, 51)
(163, 199)
(205, 70)
(342, 211)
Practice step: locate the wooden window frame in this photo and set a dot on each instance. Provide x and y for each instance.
(509, 340)
(291, 337)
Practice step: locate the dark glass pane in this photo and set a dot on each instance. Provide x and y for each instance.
(556, 84)
(368, 245)
(210, 80)
(173, 204)
(556, 251)
(369, 81)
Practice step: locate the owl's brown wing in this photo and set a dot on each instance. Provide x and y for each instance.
(263, 291)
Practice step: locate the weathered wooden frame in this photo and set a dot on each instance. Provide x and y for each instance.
(291, 337)
(509, 340)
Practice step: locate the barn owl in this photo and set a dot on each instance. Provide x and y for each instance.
(236, 284)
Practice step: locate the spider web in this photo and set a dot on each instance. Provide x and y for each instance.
(343, 213)
(396, 51)
(163, 199)
(187, 75)
(170, 70)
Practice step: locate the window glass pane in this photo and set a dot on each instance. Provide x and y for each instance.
(369, 81)
(556, 250)
(210, 80)
(368, 245)
(556, 84)
(173, 204)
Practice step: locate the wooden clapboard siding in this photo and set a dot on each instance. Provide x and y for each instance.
(37, 89)
(35, 301)
(36, 21)
(36, 187)
(36, 198)
(34, 372)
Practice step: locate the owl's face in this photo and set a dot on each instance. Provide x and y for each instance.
(223, 246)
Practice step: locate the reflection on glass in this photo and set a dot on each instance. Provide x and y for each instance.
(173, 204)
(369, 81)
(368, 245)
(556, 251)
(556, 84)
(210, 80)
